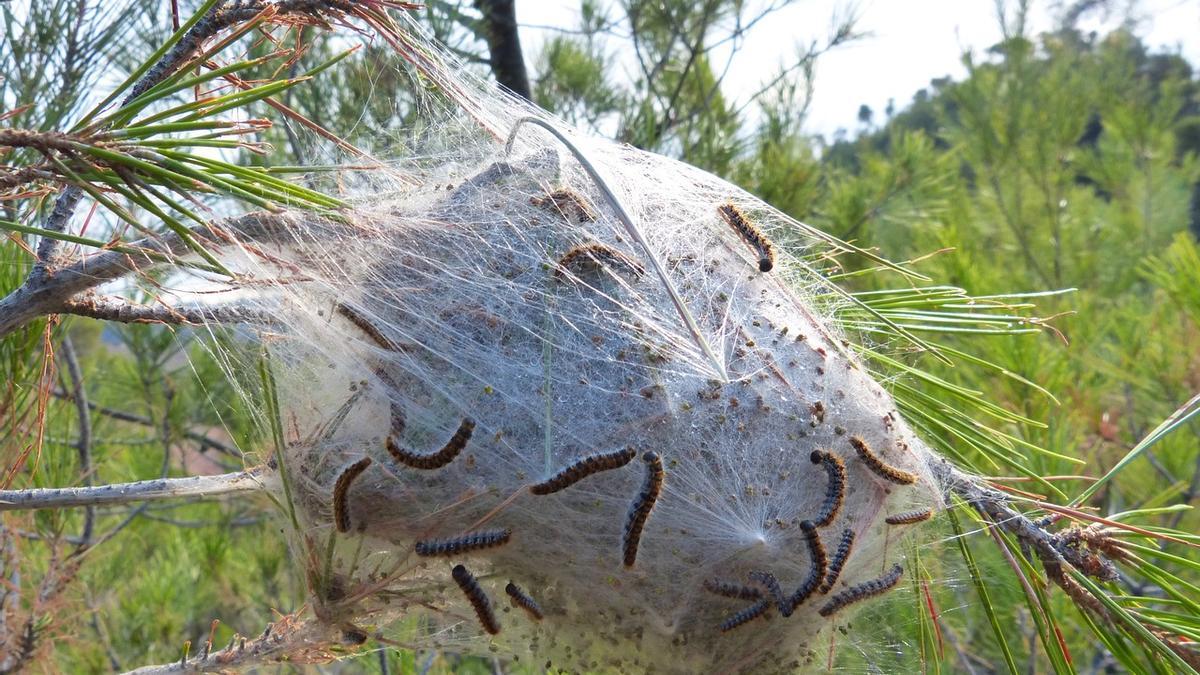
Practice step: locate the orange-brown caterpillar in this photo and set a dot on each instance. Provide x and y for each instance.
(750, 234)
(479, 600)
(642, 506)
(597, 254)
(438, 459)
(771, 585)
(522, 599)
(464, 544)
(840, 556)
(863, 591)
(341, 514)
(876, 465)
(909, 517)
(582, 469)
(836, 490)
(816, 552)
(731, 590)
(372, 331)
(746, 615)
(567, 203)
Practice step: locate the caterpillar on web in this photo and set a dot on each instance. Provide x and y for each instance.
(640, 511)
(731, 590)
(523, 600)
(474, 541)
(567, 203)
(878, 467)
(595, 253)
(771, 585)
(750, 234)
(365, 325)
(909, 517)
(835, 491)
(863, 591)
(438, 459)
(583, 468)
(341, 514)
(816, 573)
(840, 556)
(479, 600)
(746, 615)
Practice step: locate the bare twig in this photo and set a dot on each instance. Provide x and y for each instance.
(120, 310)
(140, 491)
(79, 395)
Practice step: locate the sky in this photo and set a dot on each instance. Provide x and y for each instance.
(910, 43)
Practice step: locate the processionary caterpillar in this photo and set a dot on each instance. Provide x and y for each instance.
(341, 514)
(365, 325)
(836, 490)
(876, 465)
(479, 600)
(731, 590)
(642, 506)
(746, 615)
(816, 552)
(864, 590)
(840, 556)
(468, 542)
(909, 517)
(771, 584)
(522, 599)
(749, 233)
(438, 459)
(597, 253)
(582, 469)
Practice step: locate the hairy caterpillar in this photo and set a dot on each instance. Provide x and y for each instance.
(341, 514)
(771, 584)
(836, 490)
(876, 465)
(731, 590)
(750, 234)
(582, 469)
(816, 553)
(438, 459)
(367, 327)
(909, 517)
(642, 506)
(395, 408)
(746, 615)
(522, 599)
(567, 203)
(468, 542)
(597, 253)
(862, 591)
(479, 600)
(840, 556)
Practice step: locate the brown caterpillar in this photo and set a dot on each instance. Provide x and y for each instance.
(479, 600)
(840, 556)
(816, 552)
(876, 465)
(599, 254)
(341, 514)
(750, 234)
(474, 541)
(909, 517)
(642, 506)
(863, 591)
(438, 459)
(522, 599)
(771, 585)
(732, 590)
(582, 469)
(746, 615)
(836, 490)
(367, 327)
(394, 407)
(567, 203)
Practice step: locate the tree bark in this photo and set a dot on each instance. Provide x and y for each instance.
(504, 45)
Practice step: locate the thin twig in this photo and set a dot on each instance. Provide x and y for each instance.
(140, 491)
(79, 395)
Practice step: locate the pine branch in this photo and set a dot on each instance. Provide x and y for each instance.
(158, 489)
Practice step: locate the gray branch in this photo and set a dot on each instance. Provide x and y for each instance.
(142, 491)
(79, 394)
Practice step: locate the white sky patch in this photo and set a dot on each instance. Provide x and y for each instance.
(910, 43)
